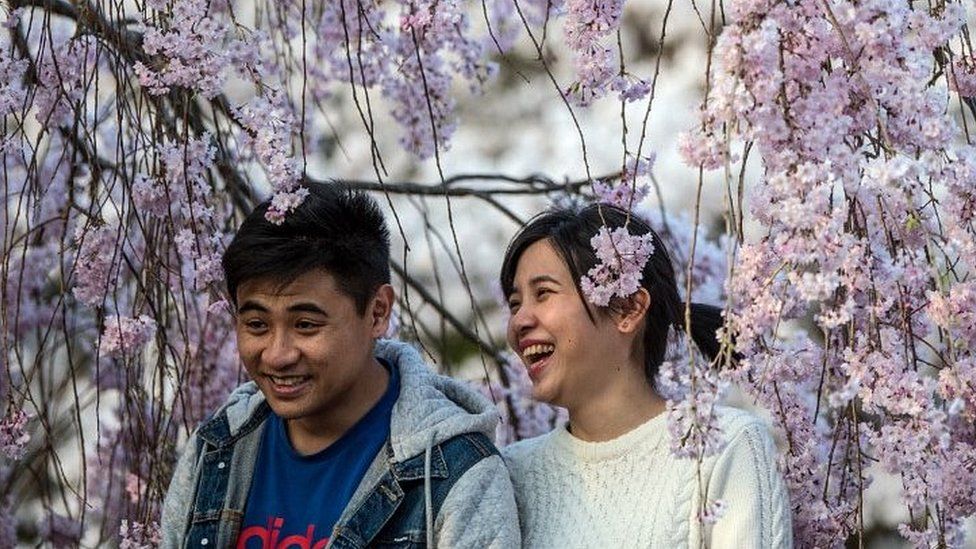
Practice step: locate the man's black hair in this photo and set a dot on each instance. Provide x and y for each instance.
(569, 231)
(336, 229)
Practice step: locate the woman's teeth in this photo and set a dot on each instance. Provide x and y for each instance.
(538, 351)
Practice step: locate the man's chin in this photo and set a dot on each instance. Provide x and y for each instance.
(287, 410)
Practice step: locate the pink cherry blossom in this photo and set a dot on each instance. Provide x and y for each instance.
(13, 434)
(622, 257)
(126, 336)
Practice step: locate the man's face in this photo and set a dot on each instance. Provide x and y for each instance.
(306, 345)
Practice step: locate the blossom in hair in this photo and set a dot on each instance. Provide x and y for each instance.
(622, 257)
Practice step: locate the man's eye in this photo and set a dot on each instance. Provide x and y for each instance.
(306, 325)
(254, 324)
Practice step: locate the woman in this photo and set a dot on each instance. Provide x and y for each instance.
(608, 478)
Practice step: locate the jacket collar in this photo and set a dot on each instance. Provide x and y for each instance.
(217, 430)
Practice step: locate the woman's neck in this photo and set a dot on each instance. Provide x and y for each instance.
(620, 408)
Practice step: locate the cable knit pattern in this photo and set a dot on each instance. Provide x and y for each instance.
(631, 492)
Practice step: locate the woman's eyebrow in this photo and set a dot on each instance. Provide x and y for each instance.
(539, 279)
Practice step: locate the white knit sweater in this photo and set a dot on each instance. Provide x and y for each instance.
(631, 492)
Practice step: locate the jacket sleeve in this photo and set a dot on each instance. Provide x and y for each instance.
(480, 511)
(749, 484)
(179, 497)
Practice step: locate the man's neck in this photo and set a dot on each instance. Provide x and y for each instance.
(312, 434)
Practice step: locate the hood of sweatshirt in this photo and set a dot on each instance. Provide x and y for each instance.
(430, 409)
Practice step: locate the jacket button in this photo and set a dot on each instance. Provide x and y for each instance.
(221, 465)
(204, 541)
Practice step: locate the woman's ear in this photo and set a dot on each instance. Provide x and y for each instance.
(631, 312)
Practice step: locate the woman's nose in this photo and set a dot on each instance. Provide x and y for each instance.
(522, 320)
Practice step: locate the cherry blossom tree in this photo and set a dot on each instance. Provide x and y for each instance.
(136, 136)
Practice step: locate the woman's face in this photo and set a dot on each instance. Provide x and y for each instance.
(567, 354)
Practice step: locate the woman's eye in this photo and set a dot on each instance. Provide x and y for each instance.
(541, 292)
(513, 306)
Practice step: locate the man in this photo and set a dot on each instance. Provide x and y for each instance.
(339, 440)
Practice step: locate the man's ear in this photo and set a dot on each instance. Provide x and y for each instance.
(380, 309)
(630, 314)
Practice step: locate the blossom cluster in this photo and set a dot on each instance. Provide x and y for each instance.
(859, 251)
(96, 268)
(61, 72)
(622, 257)
(13, 434)
(269, 123)
(186, 49)
(629, 189)
(138, 535)
(126, 336)
(588, 28)
(12, 93)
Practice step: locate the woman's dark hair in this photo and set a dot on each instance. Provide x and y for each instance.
(569, 232)
(335, 229)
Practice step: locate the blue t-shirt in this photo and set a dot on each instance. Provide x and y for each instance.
(295, 500)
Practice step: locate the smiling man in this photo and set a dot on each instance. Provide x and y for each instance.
(340, 439)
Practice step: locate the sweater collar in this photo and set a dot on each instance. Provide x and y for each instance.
(650, 433)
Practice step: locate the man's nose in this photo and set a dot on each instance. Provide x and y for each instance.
(281, 351)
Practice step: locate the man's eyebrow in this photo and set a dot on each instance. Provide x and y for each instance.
(306, 307)
(251, 306)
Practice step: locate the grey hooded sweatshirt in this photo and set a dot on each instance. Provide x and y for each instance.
(478, 511)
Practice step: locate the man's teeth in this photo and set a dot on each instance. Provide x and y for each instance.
(289, 381)
(534, 352)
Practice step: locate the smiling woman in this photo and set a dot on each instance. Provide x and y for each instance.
(607, 477)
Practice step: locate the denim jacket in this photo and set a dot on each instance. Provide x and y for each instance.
(438, 481)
